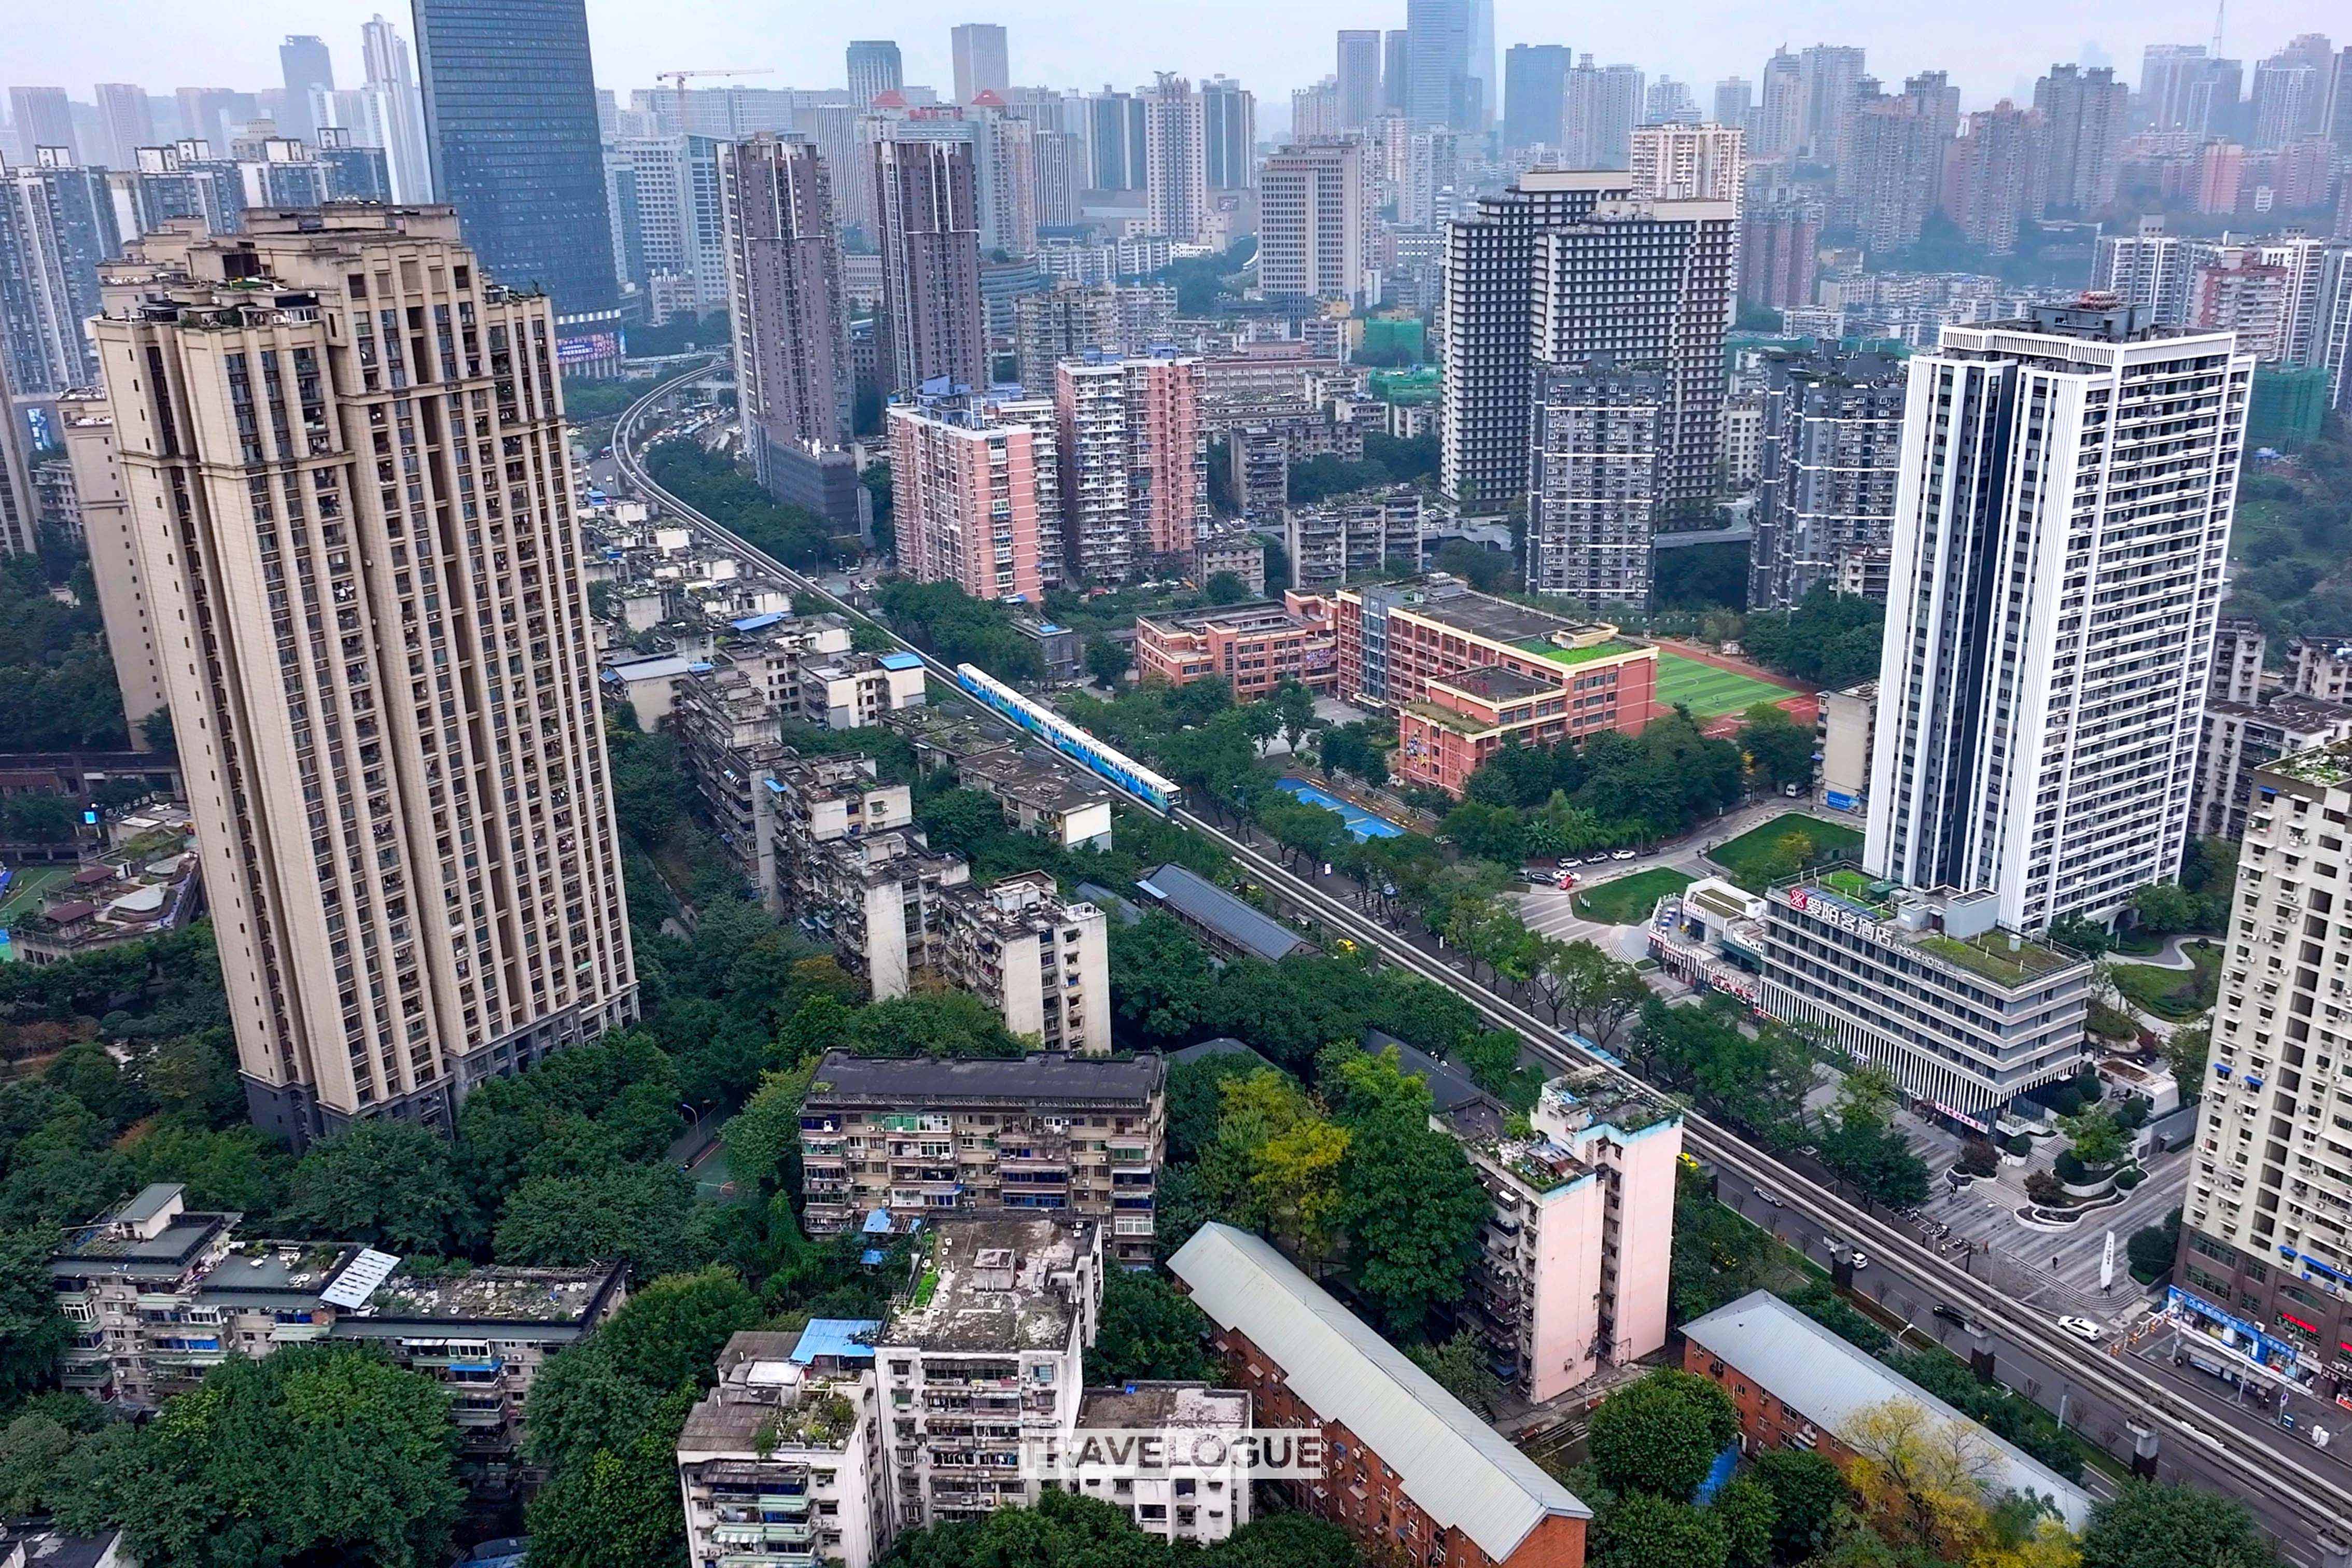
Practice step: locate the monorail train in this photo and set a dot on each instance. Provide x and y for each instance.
(1114, 767)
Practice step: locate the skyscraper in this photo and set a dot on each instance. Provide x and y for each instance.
(874, 69)
(1396, 71)
(1605, 104)
(306, 66)
(1228, 134)
(1437, 79)
(57, 225)
(1645, 282)
(977, 493)
(1175, 161)
(1779, 254)
(927, 203)
(1115, 152)
(2263, 1238)
(1593, 491)
(511, 117)
(1134, 463)
(1832, 445)
(399, 109)
(1535, 94)
(1993, 176)
(1359, 77)
(43, 118)
(789, 317)
(2087, 114)
(1310, 226)
(981, 65)
(1780, 111)
(1826, 77)
(407, 830)
(1734, 103)
(128, 122)
(1483, 98)
(2050, 623)
(18, 534)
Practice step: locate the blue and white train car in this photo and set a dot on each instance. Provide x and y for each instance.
(1113, 766)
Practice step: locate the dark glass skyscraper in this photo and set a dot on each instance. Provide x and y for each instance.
(510, 112)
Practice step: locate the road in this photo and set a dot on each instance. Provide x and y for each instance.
(2302, 1497)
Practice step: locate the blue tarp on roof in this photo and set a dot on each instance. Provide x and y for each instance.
(757, 622)
(878, 1223)
(900, 661)
(836, 1337)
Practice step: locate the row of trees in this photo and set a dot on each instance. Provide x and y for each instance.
(721, 490)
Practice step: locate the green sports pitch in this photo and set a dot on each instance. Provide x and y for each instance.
(1710, 693)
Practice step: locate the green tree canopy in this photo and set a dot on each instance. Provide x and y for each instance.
(1660, 1435)
(2151, 1526)
(393, 1184)
(1148, 1329)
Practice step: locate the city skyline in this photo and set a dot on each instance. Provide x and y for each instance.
(1988, 54)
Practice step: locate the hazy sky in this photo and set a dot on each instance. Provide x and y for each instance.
(1992, 48)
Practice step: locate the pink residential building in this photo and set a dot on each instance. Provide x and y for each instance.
(976, 494)
(1134, 463)
(1573, 1269)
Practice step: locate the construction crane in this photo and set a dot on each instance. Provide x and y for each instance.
(677, 88)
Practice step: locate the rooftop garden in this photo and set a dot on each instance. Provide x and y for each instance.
(1991, 955)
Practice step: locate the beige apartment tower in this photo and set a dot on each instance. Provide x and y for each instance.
(341, 448)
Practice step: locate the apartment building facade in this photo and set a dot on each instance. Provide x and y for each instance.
(977, 494)
(156, 1294)
(1041, 963)
(1134, 463)
(2240, 738)
(1832, 444)
(1354, 535)
(2061, 524)
(1051, 1133)
(343, 449)
(2265, 1260)
(1594, 489)
(1312, 220)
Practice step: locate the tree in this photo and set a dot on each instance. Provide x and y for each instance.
(1348, 749)
(1161, 977)
(581, 1402)
(1294, 705)
(2084, 936)
(2153, 1247)
(1107, 660)
(763, 1140)
(1413, 1208)
(393, 1184)
(1747, 1512)
(1779, 751)
(2186, 1052)
(634, 1213)
(2164, 908)
(668, 1335)
(317, 1453)
(1595, 992)
(619, 1508)
(1148, 1329)
(1923, 1480)
(1459, 1365)
(1809, 1498)
(2095, 1138)
(2151, 1526)
(1643, 1531)
(1659, 1436)
(32, 1331)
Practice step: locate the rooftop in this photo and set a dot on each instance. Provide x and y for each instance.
(1497, 620)
(1268, 615)
(994, 1283)
(1160, 1405)
(2327, 766)
(493, 1295)
(1497, 683)
(1459, 1470)
(1199, 899)
(1797, 1360)
(766, 1399)
(1610, 647)
(905, 1083)
(1028, 779)
(1950, 926)
(1594, 1097)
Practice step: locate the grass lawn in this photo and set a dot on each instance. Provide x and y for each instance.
(1747, 857)
(2174, 994)
(1710, 692)
(25, 890)
(1628, 900)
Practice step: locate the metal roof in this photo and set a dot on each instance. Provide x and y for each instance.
(1226, 916)
(910, 1083)
(1460, 1471)
(1827, 1380)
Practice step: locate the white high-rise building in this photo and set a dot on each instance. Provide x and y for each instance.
(342, 446)
(1310, 226)
(2062, 522)
(2264, 1235)
(397, 109)
(1175, 161)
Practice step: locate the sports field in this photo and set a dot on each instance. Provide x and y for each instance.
(23, 895)
(1711, 692)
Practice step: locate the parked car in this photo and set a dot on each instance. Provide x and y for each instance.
(2082, 1328)
(1622, 854)
(1770, 1198)
(1951, 1315)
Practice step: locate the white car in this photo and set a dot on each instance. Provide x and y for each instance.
(1770, 1198)
(2082, 1328)
(1861, 1260)
(1622, 854)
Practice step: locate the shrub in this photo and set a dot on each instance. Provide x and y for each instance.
(1978, 1158)
(2131, 1178)
(2020, 1145)
(2043, 1187)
